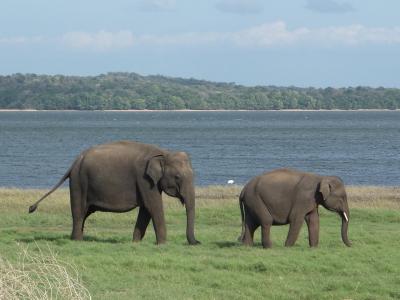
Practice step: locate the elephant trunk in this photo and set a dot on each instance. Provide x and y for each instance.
(189, 200)
(345, 226)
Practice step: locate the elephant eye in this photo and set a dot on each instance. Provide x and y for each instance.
(178, 177)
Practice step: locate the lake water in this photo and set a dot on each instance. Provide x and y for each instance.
(363, 148)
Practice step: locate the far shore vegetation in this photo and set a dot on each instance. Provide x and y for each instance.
(123, 91)
(37, 256)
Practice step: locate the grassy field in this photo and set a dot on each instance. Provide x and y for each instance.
(110, 266)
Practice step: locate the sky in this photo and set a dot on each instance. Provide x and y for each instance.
(304, 43)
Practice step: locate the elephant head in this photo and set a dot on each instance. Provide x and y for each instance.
(172, 173)
(334, 198)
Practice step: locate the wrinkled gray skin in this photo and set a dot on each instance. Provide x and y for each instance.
(123, 175)
(291, 197)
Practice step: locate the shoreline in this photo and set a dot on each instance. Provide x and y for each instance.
(364, 196)
(200, 110)
(227, 186)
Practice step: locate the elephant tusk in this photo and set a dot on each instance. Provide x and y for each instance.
(345, 216)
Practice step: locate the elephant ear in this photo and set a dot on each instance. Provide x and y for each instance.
(325, 188)
(155, 168)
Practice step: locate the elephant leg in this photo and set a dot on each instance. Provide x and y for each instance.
(142, 222)
(312, 220)
(156, 211)
(77, 210)
(265, 235)
(77, 224)
(249, 227)
(294, 231)
(266, 221)
(88, 213)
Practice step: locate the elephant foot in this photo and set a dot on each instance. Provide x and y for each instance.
(137, 237)
(247, 243)
(77, 238)
(194, 242)
(267, 246)
(240, 238)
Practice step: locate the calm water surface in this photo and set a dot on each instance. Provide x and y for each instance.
(360, 147)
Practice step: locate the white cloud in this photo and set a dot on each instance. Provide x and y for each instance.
(19, 40)
(107, 41)
(183, 39)
(157, 5)
(239, 6)
(278, 34)
(329, 6)
(266, 35)
(356, 35)
(101, 40)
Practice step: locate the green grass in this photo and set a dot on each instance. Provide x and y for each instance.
(112, 267)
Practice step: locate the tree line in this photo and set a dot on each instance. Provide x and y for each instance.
(133, 91)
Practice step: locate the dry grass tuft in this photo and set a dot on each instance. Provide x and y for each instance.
(373, 197)
(40, 276)
(19, 200)
(359, 197)
(218, 192)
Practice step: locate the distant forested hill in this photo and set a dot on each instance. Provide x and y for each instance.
(133, 91)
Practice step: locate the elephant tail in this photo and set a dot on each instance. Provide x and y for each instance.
(241, 205)
(33, 207)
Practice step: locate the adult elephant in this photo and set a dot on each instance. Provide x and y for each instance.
(287, 196)
(120, 176)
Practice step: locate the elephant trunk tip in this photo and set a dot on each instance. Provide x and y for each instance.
(32, 208)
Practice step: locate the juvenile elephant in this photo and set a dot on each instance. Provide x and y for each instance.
(287, 196)
(119, 176)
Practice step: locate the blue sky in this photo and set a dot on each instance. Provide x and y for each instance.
(317, 43)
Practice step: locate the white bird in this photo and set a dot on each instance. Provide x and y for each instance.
(231, 181)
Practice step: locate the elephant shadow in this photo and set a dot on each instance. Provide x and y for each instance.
(63, 239)
(233, 244)
(228, 244)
